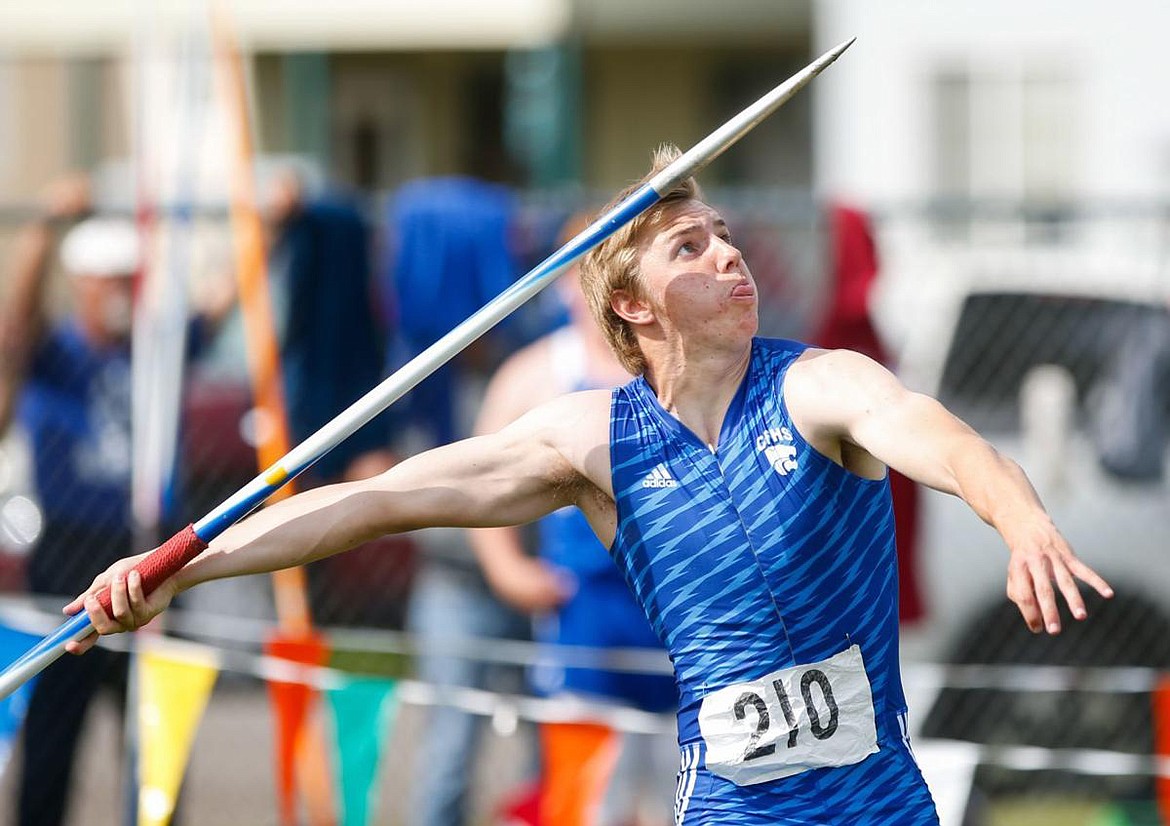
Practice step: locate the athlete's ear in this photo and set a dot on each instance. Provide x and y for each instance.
(632, 308)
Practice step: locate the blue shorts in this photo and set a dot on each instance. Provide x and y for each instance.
(885, 789)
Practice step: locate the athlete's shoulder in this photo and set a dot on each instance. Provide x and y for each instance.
(577, 426)
(830, 387)
(573, 417)
(837, 367)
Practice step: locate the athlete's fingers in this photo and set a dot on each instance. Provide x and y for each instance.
(119, 599)
(82, 645)
(1020, 591)
(101, 621)
(1079, 569)
(1045, 595)
(1090, 577)
(1068, 587)
(138, 607)
(1031, 614)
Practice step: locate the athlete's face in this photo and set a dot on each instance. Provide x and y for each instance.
(693, 277)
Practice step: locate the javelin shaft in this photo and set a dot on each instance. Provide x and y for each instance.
(403, 380)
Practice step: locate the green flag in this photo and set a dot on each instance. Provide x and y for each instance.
(363, 715)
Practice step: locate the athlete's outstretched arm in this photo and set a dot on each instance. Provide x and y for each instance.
(524, 581)
(864, 404)
(516, 475)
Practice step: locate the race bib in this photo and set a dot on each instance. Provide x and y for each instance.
(792, 720)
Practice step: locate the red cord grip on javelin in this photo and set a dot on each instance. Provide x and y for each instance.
(162, 562)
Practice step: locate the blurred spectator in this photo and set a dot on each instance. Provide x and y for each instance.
(69, 384)
(450, 250)
(449, 253)
(333, 342)
(847, 325)
(332, 352)
(578, 597)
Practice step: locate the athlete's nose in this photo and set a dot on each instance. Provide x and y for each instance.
(727, 256)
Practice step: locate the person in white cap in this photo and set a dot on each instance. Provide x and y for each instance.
(67, 381)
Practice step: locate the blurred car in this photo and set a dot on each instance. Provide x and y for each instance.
(1037, 362)
(1032, 371)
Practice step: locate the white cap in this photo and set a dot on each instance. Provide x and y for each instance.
(102, 247)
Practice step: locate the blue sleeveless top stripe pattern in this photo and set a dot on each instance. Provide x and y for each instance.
(760, 555)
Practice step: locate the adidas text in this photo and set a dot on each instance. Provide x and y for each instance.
(659, 478)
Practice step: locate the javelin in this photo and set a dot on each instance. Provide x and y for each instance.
(191, 541)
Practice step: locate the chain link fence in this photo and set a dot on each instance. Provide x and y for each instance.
(1047, 331)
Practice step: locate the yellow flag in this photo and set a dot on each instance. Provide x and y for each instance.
(173, 692)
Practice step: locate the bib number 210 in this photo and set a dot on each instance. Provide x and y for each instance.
(792, 720)
(821, 730)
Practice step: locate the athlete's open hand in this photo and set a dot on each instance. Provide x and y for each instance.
(130, 607)
(1041, 563)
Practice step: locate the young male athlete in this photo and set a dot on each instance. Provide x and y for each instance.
(566, 586)
(739, 483)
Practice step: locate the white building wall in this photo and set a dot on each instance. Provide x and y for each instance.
(873, 120)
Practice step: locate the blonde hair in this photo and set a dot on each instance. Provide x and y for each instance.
(613, 265)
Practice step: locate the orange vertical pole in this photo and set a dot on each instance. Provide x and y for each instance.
(289, 586)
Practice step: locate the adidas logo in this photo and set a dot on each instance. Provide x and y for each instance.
(659, 478)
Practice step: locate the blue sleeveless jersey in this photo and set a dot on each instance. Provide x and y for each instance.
(758, 556)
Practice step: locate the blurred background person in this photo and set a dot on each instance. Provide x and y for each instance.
(578, 597)
(333, 335)
(68, 384)
(847, 323)
(450, 250)
(333, 340)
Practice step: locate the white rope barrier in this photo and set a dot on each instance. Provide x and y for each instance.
(506, 710)
(34, 615)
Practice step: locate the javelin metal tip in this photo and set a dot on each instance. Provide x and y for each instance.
(834, 53)
(712, 146)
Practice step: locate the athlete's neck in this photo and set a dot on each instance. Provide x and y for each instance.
(697, 389)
